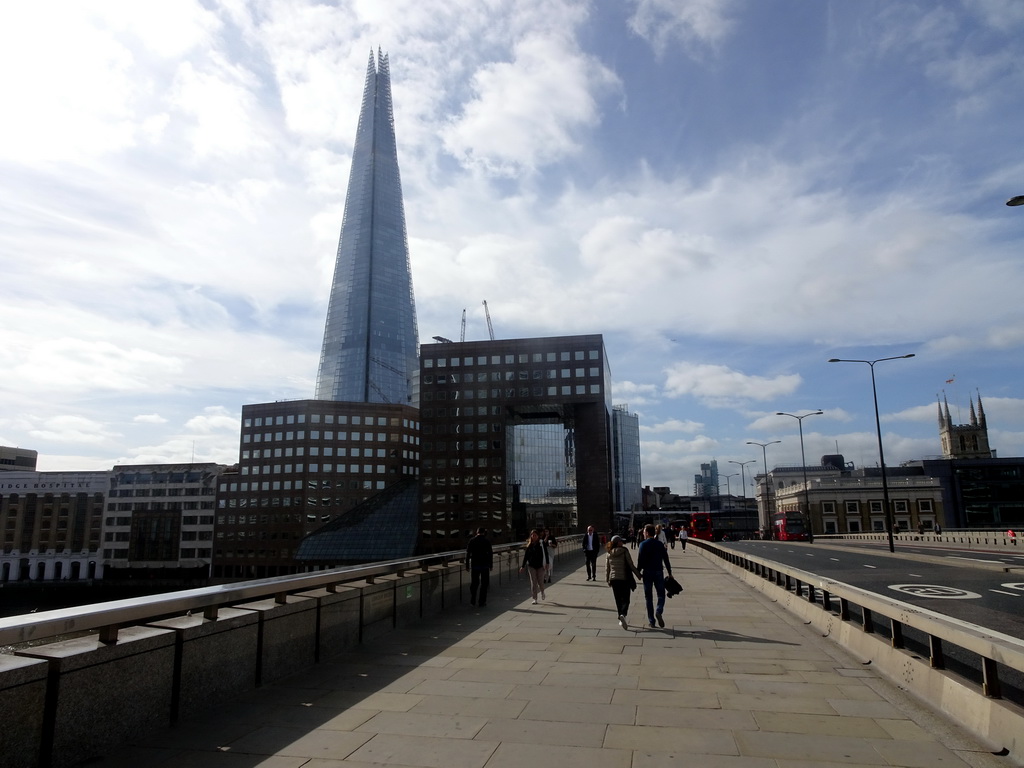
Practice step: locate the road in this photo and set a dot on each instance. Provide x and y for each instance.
(970, 585)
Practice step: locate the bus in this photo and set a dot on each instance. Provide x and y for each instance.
(789, 526)
(716, 526)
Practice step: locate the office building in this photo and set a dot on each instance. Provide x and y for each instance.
(369, 352)
(628, 491)
(51, 525)
(302, 464)
(13, 459)
(159, 520)
(516, 434)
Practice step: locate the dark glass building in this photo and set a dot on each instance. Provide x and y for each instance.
(302, 464)
(516, 433)
(370, 337)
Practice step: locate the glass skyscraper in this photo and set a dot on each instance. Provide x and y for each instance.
(369, 352)
(626, 459)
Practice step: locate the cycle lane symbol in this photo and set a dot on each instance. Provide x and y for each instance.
(937, 591)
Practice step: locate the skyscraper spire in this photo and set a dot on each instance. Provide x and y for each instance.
(370, 342)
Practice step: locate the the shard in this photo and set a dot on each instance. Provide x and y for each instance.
(370, 343)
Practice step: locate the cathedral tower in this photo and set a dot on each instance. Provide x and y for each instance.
(964, 441)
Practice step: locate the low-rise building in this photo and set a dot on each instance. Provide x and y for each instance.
(159, 520)
(51, 525)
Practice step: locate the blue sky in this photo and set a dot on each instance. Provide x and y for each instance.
(731, 192)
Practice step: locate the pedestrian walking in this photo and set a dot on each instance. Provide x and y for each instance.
(670, 535)
(479, 563)
(683, 536)
(590, 547)
(550, 545)
(652, 561)
(621, 576)
(534, 563)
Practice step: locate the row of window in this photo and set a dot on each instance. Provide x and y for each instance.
(287, 469)
(509, 376)
(328, 418)
(443, 480)
(876, 507)
(159, 506)
(510, 392)
(287, 501)
(463, 498)
(140, 478)
(135, 492)
(327, 450)
(329, 435)
(512, 359)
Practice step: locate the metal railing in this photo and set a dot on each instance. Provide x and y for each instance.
(973, 674)
(109, 617)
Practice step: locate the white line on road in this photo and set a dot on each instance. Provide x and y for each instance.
(835, 559)
(975, 559)
(869, 566)
(999, 591)
(916, 575)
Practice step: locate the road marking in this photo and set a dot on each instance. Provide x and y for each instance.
(999, 591)
(835, 559)
(1014, 585)
(869, 566)
(935, 590)
(916, 575)
(976, 559)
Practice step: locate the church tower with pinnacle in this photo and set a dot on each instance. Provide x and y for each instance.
(964, 441)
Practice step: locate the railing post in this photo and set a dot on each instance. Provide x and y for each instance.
(897, 633)
(990, 679)
(935, 655)
(867, 622)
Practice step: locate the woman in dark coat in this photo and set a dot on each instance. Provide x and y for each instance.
(621, 575)
(535, 561)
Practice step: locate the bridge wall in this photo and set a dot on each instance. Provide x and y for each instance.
(66, 701)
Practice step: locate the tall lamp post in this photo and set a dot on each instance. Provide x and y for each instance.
(878, 427)
(743, 480)
(767, 496)
(728, 485)
(803, 466)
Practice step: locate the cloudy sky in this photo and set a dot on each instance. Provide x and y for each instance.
(732, 192)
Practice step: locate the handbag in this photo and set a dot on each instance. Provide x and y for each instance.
(672, 587)
(631, 580)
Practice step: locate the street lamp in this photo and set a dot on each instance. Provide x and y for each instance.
(803, 465)
(767, 498)
(743, 484)
(878, 427)
(728, 485)
(743, 475)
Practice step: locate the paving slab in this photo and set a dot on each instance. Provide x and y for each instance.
(732, 681)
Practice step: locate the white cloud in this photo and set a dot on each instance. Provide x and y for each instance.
(149, 418)
(523, 116)
(672, 425)
(720, 384)
(73, 429)
(696, 24)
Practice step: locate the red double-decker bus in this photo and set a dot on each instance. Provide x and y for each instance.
(699, 525)
(789, 526)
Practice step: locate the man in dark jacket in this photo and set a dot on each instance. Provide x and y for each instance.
(591, 547)
(652, 562)
(479, 562)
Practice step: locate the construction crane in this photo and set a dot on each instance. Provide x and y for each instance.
(463, 336)
(487, 314)
(443, 340)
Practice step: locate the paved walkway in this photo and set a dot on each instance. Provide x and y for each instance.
(731, 681)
